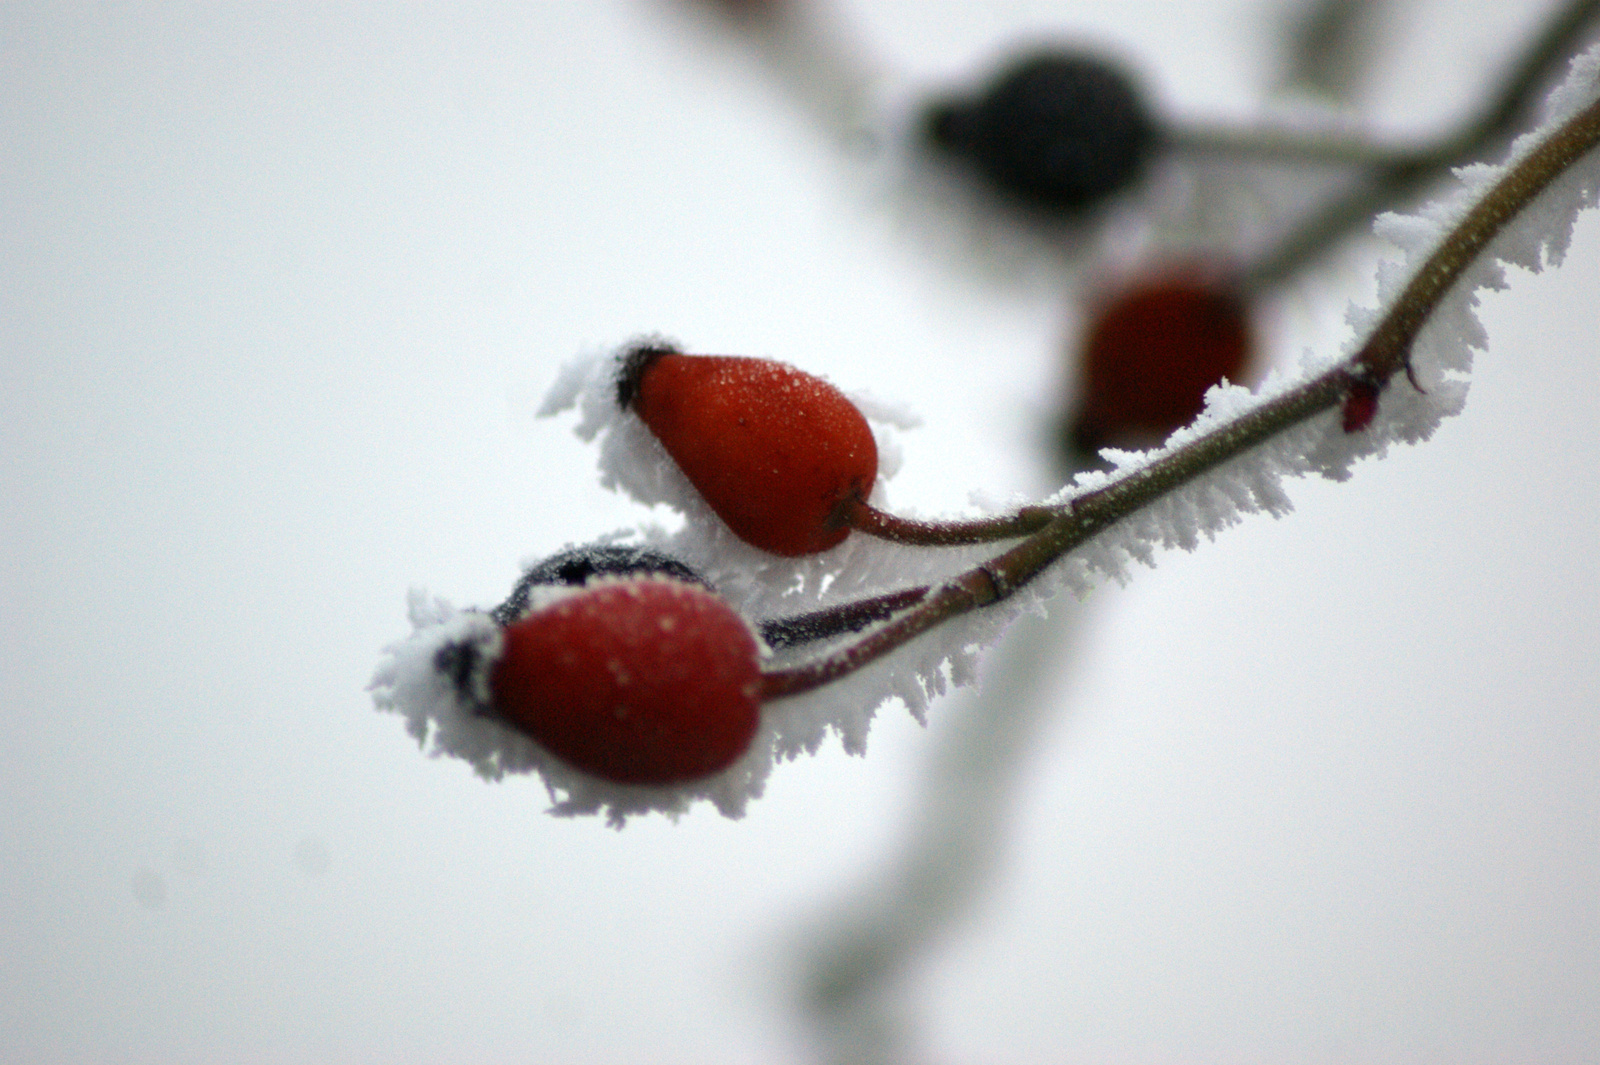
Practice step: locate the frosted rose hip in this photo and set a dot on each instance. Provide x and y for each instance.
(640, 681)
(778, 454)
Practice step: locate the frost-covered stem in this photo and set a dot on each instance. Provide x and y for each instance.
(1385, 354)
(975, 588)
(837, 620)
(865, 518)
(1406, 174)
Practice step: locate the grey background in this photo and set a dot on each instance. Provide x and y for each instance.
(281, 285)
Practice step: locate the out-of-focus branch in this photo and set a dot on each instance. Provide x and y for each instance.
(811, 51)
(857, 959)
(1285, 145)
(1331, 47)
(1506, 110)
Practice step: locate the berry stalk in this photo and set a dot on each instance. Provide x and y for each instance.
(865, 518)
(837, 620)
(1288, 145)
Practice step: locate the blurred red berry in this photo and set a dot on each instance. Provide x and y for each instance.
(638, 681)
(1150, 356)
(778, 454)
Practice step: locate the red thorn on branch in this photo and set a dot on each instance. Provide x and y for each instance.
(1361, 405)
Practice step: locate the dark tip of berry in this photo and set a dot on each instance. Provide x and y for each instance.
(577, 565)
(1057, 130)
(634, 360)
(1080, 445)
(458, 662)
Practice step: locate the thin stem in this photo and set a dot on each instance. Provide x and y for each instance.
(1286, 145)
(1404, 176)
(1332, 47)
(865, 518)
(837, 620)
(1519, 91)
(1385, 354)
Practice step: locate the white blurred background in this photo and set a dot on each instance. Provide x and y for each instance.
(281, 287)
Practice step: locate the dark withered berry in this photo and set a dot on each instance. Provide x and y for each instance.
(576, 565)
(1059, 131)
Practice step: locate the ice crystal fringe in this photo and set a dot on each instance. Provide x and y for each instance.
(761, 585)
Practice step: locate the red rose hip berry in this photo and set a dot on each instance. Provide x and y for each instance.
(781, 456)
(639, 681)
(1151, 355)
